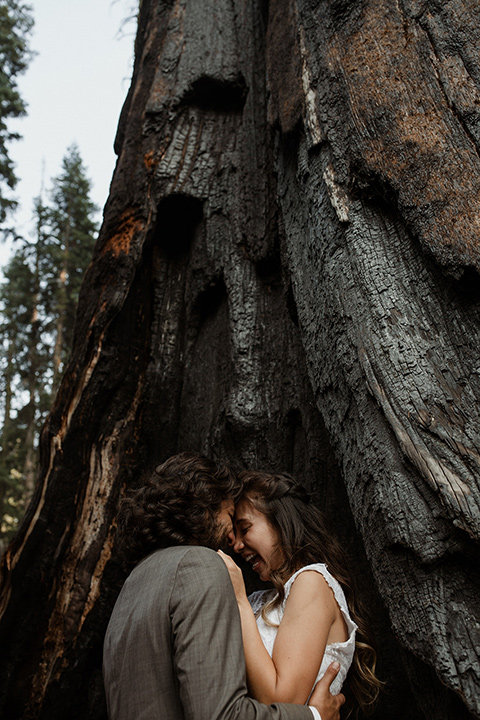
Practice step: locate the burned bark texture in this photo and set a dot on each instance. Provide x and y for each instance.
(287, 277)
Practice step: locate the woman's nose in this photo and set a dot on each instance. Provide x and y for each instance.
(238, 544)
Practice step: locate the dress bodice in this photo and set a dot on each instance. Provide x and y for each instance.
(340, 651)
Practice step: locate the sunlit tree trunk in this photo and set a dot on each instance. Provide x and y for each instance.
(59, 324)
(60, 309)
(7, 410)
(286, 276)
(31, 382)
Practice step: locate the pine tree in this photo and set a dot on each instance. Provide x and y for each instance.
(38, 304)
(72, 236)
(16, 298)
(16, 23)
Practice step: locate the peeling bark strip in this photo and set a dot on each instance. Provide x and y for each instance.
(286, 277)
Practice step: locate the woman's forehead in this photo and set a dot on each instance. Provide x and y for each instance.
(244, 510)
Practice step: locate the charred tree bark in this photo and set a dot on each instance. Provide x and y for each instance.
(287, 276)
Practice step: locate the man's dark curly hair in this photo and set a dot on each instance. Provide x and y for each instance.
(177, 505)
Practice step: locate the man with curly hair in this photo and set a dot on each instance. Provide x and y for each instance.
(173, 648)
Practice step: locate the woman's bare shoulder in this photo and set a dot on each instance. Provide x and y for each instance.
(311, 585)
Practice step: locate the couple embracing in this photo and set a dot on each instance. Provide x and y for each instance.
(185, 643)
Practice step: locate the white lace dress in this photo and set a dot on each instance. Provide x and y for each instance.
(340, 651)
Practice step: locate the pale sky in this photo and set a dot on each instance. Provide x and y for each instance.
(74, 89)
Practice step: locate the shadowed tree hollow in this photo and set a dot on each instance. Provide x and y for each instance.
(287, 277)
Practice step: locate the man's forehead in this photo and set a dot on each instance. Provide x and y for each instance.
(228, 506)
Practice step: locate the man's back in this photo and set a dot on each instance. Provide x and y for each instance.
(173, 648)
(138, 668)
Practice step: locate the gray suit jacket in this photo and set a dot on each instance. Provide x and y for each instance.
(173, 648)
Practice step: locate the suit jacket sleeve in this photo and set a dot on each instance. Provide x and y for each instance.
(207, 646)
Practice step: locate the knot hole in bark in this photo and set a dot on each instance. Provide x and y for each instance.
(177, 219)
(210, 93)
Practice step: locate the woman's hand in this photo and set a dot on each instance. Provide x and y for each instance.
(235, 576)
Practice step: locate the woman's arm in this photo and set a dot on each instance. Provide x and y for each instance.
(310, 612)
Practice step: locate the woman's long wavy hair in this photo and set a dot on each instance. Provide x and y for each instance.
(304, 540)
(177, 505)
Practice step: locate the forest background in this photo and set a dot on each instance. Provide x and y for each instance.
(49, 226)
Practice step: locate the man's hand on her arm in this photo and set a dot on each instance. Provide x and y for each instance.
(328, 705)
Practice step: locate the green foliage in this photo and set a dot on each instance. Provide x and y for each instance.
(38, 301)
(15, 26)
(72, 229)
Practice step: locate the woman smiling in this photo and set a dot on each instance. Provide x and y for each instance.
(292, 633)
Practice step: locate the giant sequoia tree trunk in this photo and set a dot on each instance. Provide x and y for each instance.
(287, 277)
